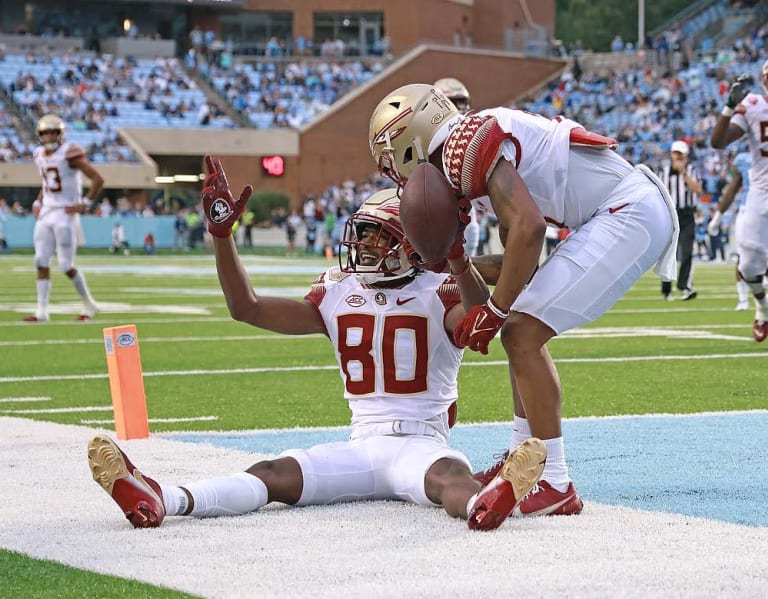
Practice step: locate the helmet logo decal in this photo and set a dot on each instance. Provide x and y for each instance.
(220, 210)
(384, 134)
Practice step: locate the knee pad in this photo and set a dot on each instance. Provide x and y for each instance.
(755, 285)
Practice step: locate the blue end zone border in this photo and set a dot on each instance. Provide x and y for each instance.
(707, 465)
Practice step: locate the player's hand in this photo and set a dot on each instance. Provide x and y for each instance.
(713, 228)
(739, 90)
(221, 209)
(478, 327)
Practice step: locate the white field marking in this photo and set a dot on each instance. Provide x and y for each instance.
(154, 340)
(196, 419)
(671, 333)
(661, 358)
(313, 429)
(136, 321)
(22, 399)
(107, 308)
(695, 332)
(216, 291)
(60, 410)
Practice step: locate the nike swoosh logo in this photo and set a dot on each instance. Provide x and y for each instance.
(400, 302)
(617, 208)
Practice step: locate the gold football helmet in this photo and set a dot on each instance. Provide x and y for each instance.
(51, 123)
(456, 92)
(373, 239)
(764, 76)
(407, 126)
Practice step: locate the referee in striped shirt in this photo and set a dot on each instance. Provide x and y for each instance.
(684, 185)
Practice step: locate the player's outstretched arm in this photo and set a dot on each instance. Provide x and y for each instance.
(281, 315)
(725, 132)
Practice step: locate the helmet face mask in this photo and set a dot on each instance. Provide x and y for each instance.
(50, 123)
(403, 127)
(373, 239)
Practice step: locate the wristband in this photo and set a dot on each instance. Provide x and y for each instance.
(727, 112)
(465, 270)
(496, 310)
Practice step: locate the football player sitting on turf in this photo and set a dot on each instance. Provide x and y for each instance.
(390, 326)
(528, 171)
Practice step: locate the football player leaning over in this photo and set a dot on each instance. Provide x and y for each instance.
(391, 330)
(529, 170)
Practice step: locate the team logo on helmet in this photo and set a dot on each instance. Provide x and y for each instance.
(220, 210)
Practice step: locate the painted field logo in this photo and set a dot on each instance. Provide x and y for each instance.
(126, 340)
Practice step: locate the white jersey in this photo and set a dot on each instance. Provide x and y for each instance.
(397, 362)
(540, 151)
(753, 123)
(62, 184)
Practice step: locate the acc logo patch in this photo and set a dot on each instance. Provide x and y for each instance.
(220, 210)
(355, 301)
(126, 340)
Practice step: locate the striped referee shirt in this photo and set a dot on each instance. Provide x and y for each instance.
(684, 198)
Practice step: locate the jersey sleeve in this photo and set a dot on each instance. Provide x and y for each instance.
(74, 152)
(449, 294)
(316, 293)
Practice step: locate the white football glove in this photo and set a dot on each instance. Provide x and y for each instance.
(713, 228)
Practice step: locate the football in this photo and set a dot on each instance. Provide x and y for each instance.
(429, 213)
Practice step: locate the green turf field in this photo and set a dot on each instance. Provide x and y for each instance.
(205, 372)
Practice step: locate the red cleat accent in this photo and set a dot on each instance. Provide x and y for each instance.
(760, 330)
(138, 496)
(33, 318)
(518, 474)
(82, 318)
(486, 476)
(545, 500)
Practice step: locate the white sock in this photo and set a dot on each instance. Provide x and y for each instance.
(82, 287)
(174, 499)
(742, 290)
(233, 495)
(43, 293)
(521, 430)
(556, 470)
(761, 309)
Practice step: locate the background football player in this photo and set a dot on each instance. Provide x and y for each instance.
(390, 325)
(746, 113)
(57, 227)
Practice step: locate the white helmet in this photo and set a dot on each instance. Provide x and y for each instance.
(381, 212)
(456, 92)
(51, 122)
(407, 126)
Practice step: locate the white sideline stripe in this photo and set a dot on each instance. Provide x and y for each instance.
(22, 399)
(72, 377)
(153, 340)
(100, 321)
(314, 429)
(59, 410)
(196, 419)
(684, 331)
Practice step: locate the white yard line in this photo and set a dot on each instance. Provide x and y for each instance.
(151, 420)
(22, 399)
(661, 358)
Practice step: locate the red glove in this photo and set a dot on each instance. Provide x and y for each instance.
(221, 210)
(479, 326)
